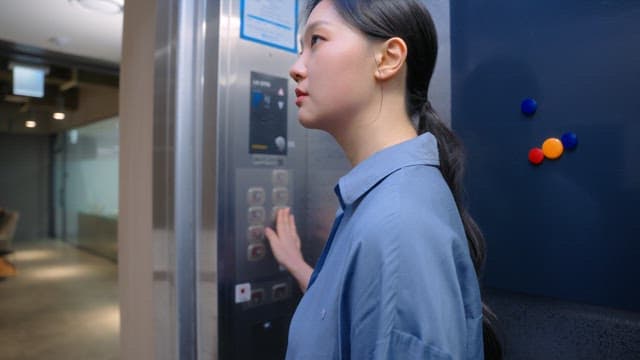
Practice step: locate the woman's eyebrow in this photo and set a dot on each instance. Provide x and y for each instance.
(310, 27)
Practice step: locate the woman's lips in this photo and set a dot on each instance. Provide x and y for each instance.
(300, 95)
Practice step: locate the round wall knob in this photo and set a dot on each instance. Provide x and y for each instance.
(569, 140)
(529, 106)
(536, 156)
(552, 148)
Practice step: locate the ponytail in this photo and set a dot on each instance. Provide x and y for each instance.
(452, 167)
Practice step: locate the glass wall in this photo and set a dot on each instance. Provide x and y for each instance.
(86, 187)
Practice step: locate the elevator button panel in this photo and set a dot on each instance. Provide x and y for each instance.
(261, 193)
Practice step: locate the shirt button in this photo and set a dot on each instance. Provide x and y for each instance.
(323, 313)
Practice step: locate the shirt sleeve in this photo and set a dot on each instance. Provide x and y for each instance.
(402, 298)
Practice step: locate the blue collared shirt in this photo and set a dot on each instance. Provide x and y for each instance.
(395, 279)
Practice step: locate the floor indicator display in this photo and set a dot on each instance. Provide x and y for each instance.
(268, 116)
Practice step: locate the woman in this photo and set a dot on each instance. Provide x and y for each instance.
(398, 276)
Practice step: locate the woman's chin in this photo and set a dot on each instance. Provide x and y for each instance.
(307, 121)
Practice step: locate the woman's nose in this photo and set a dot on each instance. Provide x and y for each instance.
(298, 70)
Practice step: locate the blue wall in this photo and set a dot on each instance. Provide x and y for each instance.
(568, 228)
(563, 237)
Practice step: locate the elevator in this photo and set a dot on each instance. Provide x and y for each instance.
(228, 152)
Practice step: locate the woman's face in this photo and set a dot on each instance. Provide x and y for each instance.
(334, 72)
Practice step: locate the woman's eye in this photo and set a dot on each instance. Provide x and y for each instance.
(314, 39)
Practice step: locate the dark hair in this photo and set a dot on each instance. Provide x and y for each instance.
(411, 21)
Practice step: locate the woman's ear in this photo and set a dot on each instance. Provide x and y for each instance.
(390, 58)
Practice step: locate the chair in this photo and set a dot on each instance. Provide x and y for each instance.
(8, 224)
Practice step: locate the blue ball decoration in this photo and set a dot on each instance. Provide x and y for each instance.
(529, 106)
(569, 140)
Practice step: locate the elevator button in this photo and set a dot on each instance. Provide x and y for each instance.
(256, 252)
(257, 297)
(255, 234)
(280, 177)
(280, 196)
(256, 196)
(280, 142)
(256, 215)
(274, 211)
(243, 293)
(279, 291)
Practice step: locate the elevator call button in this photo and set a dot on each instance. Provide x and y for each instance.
(280, 177)
(280, 196)
(255, 233)
(256, 252)
(256, 196)
(274, 211)
(279, 291)
(256, 215)
(257, 297)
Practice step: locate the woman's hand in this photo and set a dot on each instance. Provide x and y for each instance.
(285, 245)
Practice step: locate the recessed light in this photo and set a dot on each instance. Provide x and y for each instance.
(59, 115)
(111, 7)
(30, 124)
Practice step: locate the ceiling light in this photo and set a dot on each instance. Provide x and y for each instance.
(30, 124)
(59, 115)
(111, 7)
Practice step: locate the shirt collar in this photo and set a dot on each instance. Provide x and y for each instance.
(421, 150)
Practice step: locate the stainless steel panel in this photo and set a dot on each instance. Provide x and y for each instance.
(251, 186)
(164, 291)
